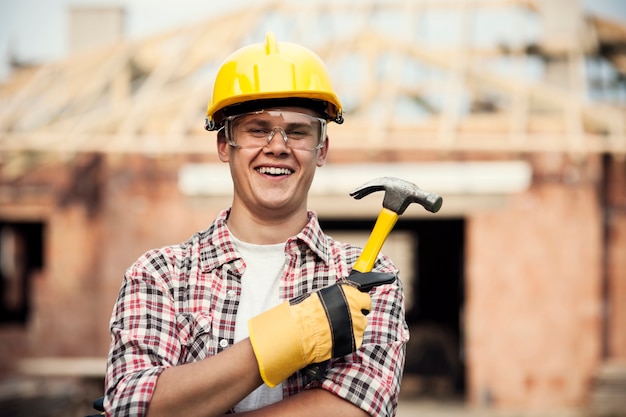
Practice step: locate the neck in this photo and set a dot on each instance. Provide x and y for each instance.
(252, 228)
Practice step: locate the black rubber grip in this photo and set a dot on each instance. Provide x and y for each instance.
(365, 281)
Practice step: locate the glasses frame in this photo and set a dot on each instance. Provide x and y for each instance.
(231, 140)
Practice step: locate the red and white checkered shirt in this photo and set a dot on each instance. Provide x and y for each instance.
(178, 304)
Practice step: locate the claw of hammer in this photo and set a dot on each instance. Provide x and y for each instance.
(399, 194)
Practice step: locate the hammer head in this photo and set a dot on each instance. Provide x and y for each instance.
(399, 194)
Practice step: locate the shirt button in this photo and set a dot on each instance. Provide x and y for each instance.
(231, 293)
(224, 343)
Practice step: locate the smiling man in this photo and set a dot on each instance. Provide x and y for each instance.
(255, 315)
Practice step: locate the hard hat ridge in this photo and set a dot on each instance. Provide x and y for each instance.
(271, 47)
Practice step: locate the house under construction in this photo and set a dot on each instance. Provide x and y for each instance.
(513, 110)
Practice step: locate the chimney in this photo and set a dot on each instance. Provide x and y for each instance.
(563, 24)
(563, 44)
(91, 27)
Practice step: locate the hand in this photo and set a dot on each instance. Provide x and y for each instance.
(313, 328)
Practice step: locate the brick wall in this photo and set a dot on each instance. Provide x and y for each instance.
(533, 317)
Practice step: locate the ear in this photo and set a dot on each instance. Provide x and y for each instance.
(223, 148)
(322, 153)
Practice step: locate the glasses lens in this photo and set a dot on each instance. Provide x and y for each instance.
(255, 130)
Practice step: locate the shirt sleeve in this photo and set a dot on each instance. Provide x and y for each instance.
(143, 339)
(370, 377)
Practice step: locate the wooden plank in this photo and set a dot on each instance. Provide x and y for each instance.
(82, 367)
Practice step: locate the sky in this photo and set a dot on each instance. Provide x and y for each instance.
(36, 30)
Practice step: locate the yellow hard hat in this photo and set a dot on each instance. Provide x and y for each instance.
(271, 71)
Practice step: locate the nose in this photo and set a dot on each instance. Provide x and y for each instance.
(281, 144)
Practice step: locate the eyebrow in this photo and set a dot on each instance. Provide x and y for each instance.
(268, 123)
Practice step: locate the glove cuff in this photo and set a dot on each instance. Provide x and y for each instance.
(276, 341)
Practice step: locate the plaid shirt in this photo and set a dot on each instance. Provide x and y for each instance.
(178, 304)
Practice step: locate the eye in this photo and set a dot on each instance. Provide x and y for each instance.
(297, 134)
(300, 132)
(258, 131)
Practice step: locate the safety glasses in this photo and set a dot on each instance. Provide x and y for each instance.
(252, 130)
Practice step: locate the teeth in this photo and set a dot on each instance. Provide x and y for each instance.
(274, 171)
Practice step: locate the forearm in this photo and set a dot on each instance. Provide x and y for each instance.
(314, 402)
(209, 387)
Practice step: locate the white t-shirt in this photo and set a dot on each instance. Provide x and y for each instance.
(259, 292)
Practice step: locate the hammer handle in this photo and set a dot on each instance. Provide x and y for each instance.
(384, 224)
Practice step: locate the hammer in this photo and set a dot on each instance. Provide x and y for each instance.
(398, 195)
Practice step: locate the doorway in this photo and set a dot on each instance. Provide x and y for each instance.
(430, 257)
(21, 253)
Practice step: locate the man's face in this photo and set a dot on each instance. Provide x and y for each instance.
(272, 180)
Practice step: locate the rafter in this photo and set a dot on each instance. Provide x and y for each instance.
(144, 95)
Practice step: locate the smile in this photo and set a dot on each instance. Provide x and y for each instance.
(274, 171)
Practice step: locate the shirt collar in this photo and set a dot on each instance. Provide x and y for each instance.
(217, 247)
(313, 237)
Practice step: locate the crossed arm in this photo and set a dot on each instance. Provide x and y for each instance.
(212, 386)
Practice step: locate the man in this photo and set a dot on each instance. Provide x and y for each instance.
(235, 319)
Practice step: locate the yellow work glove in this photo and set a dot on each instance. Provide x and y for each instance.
(313, 328)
